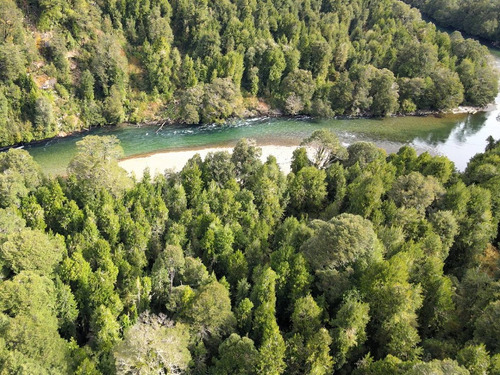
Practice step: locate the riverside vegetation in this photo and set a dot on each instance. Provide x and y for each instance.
(69, 65)
(355, 262)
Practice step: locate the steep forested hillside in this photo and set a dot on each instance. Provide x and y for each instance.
(356, 262)
(476, 17)
(67, 65)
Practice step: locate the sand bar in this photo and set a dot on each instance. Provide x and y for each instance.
(175, 160)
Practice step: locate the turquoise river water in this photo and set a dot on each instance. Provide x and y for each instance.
(459, 137)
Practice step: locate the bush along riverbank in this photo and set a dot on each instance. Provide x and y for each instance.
(261, 112)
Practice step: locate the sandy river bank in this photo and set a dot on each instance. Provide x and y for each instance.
(158, 163)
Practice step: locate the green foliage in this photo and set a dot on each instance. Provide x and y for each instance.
(364, 195)
(95, 166)
(266, 330)
(11, 29)
(12, 62)
(237, 355)
(415, 190)
(385, 93)
(19, 175)
(297, 90)
(341, 94)
(31, 250)
(113, 107)
(394, 302)
(340, 242)
(169, 264)
(306, 317)
(300, 160)
(246, 160)
(43, 118)
(30, 338)
(10, 222)
(479, 18)
(477, 229)
(221, 100)
(307, 190)
(210, 312)
(218, 167)
(435, 366)
(67, 66)
(475, 359)
(446, 91)
(350, 328)
(495, 364)
(338, 250)
(487, 326)
(364, 153)
(231, 250)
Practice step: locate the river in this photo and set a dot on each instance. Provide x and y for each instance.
(459, 137)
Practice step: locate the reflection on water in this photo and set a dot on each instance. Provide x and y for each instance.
(459, 137)
(467, 138)
(471, 126)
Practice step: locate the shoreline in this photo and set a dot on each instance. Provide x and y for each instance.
(461, 110)
(159, 162)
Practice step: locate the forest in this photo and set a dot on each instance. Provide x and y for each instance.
(68, 65)
(480, 18)
(356, 262)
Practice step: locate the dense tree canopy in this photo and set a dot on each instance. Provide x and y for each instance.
(230, 267)
(479, 18)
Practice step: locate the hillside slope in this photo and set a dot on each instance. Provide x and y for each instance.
(68, 65)
(480, 18)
